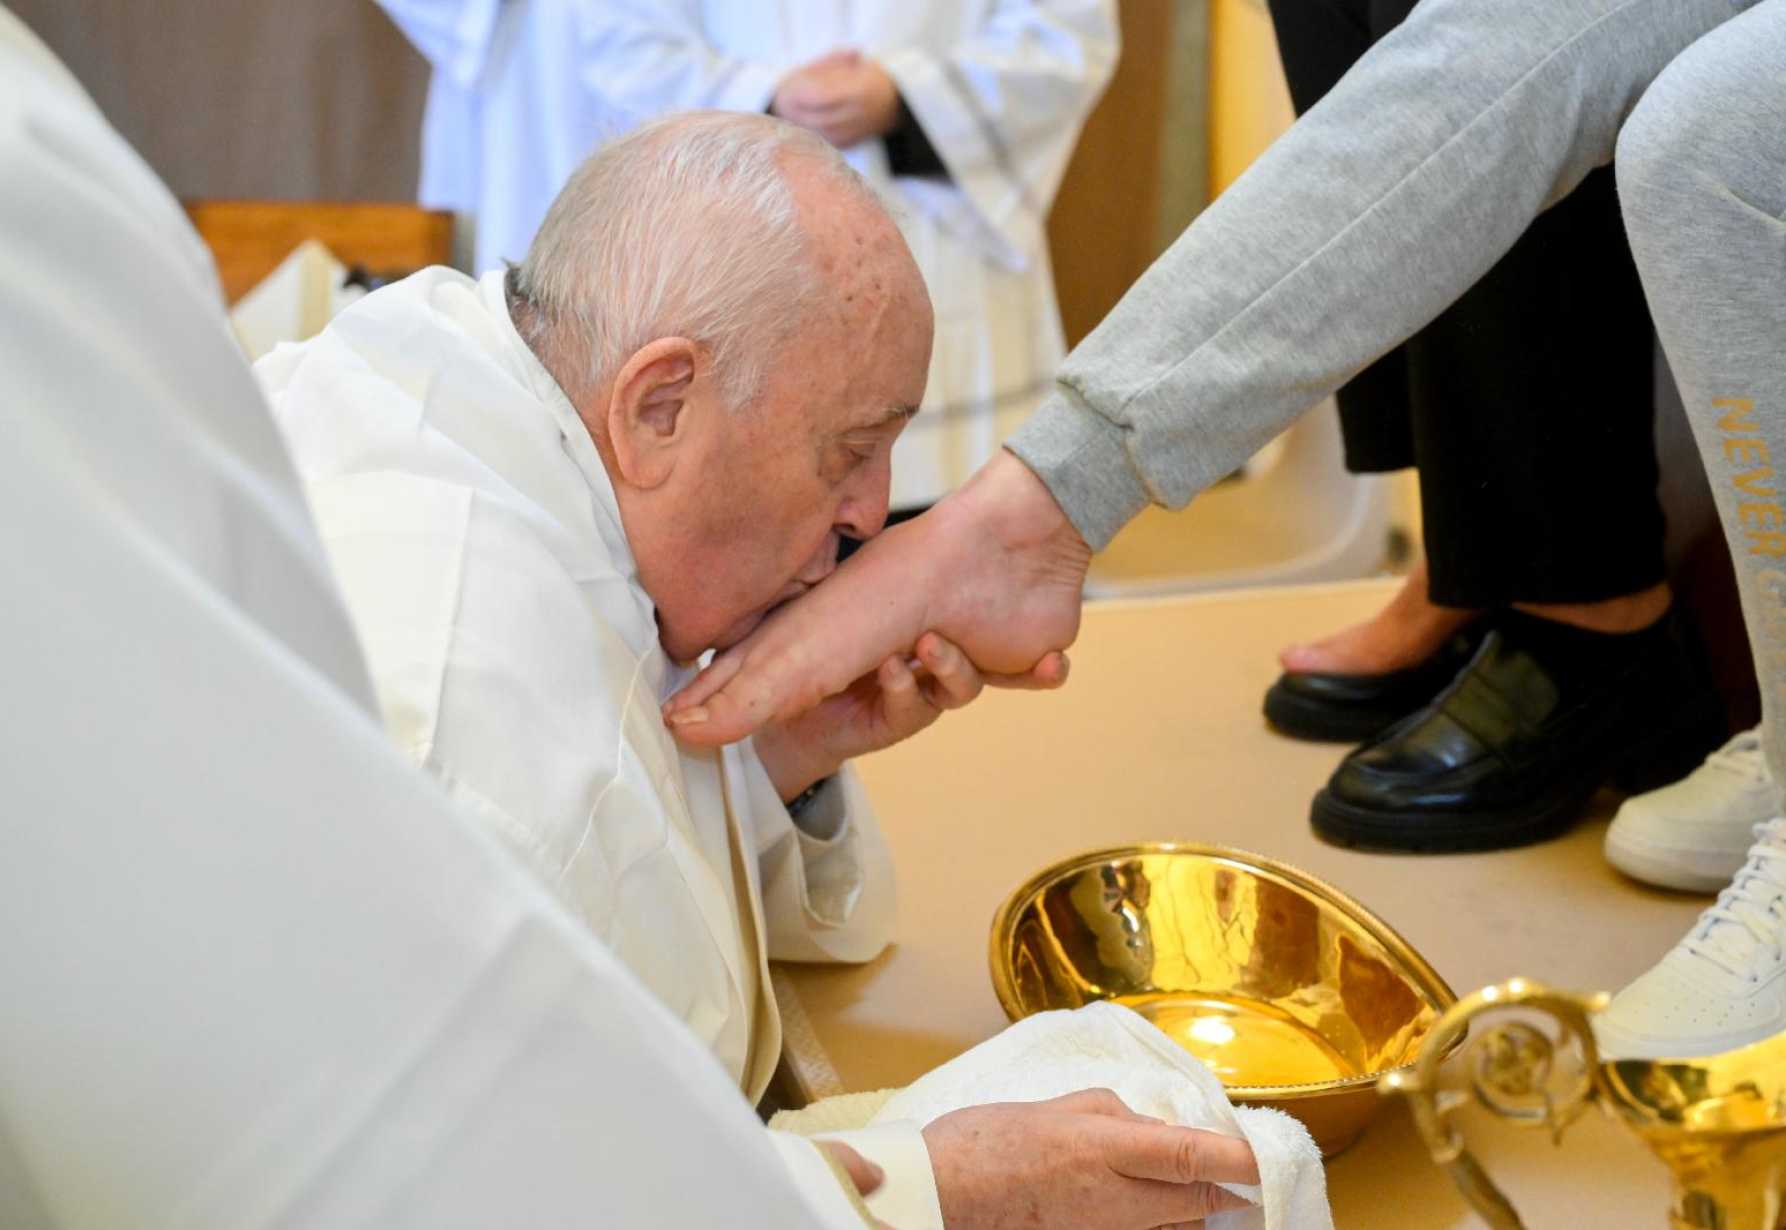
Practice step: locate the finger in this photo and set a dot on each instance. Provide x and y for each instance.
(898, 683)
(820, 104)
(1179, 1154)
(905, 706)
(842, 57)
(1209, 1200)
(956, 682)
(1046, 675)
(1221, 1200)
(862, 1172)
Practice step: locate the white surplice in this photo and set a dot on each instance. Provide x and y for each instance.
(256, 969)
(523, 90)
(508, 117)
(477, 539)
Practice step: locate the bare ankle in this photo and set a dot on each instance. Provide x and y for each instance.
(1626, 613)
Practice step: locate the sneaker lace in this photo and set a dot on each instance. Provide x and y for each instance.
(1745, 930)
(1742, 756)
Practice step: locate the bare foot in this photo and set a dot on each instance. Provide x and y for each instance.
(1403, 634)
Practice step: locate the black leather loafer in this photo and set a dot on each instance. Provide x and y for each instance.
(1351, 708)
(1506, 755)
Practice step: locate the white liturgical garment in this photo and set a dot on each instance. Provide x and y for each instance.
(522, 91)
(257, 970)
(508, 117)
(476, 536)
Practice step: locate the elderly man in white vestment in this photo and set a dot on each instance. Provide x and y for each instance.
(547, 493)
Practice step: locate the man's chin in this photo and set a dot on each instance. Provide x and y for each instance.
(733, 633)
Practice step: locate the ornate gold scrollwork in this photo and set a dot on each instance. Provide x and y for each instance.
(1514, 1074)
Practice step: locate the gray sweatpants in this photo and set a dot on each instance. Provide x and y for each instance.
(1702, 184)
(1401, 188)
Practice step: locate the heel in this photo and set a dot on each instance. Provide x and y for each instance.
(1673, 752)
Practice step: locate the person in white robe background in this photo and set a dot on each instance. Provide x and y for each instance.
(962, 114)
(258, 970)
(508, 115)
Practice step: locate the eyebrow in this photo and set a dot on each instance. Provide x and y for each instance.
(894, 413)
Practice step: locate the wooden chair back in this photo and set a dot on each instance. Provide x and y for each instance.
(248, 239)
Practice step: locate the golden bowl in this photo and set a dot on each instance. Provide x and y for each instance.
(1294, 994)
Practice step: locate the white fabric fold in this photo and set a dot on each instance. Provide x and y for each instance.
(1108, 1046)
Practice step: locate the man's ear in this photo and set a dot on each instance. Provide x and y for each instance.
(648, 414)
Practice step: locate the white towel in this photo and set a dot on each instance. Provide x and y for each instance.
(1108, 1046)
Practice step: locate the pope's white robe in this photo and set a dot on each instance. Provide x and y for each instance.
(257, 970)
(476, 536)
(522, 91)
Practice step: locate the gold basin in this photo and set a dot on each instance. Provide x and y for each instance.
(1294, 994)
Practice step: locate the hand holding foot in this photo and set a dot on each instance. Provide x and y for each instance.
(996, 568)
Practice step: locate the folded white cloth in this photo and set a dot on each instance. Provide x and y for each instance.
(1109, 1046)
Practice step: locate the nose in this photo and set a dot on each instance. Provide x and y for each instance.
(863, 512)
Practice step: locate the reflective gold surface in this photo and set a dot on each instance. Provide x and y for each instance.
(1717, 1122)
(1293, 993)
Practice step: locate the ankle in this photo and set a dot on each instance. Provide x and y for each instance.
(1627, 613)
(1009, 502)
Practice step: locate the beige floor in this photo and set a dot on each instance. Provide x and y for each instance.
(1158, 737)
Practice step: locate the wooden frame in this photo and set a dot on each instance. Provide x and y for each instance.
(248, 239)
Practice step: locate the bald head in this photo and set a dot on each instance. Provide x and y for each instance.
(863, 272)
(737, 231)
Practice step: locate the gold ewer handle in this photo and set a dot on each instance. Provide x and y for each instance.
(1510, 1070)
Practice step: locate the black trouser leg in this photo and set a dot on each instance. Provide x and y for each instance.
(1528, 405)
(1318, 40)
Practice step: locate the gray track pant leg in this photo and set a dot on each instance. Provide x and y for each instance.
(1702, 178)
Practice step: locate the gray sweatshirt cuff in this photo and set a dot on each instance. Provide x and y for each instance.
(1084, 460)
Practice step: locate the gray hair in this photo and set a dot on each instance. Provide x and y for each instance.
(684, 227)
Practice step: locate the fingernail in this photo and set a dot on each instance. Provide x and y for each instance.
(875, 1170)
(689, 717)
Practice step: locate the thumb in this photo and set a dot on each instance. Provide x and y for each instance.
(863, 1173)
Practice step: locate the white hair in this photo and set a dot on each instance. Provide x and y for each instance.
(685, 227)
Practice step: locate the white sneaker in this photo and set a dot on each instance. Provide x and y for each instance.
(1724, 985)
(1694, 834)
